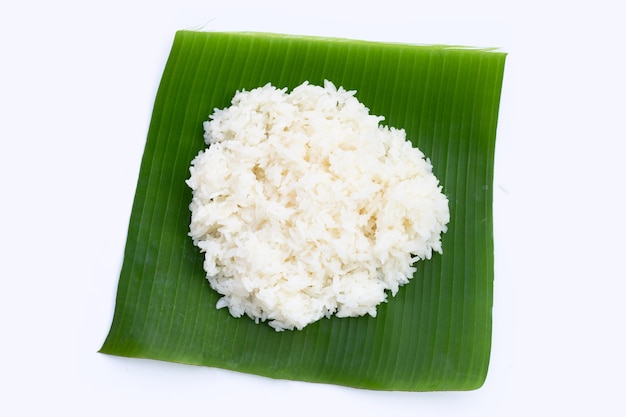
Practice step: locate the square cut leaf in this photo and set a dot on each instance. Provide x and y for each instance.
(435, 334)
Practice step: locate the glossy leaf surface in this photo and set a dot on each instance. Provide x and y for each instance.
(435, 334)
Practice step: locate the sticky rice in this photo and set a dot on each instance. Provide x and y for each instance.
(305, 206)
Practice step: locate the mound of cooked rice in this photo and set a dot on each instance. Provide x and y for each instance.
(305, 206)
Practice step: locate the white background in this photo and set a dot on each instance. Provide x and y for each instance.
(77, 84)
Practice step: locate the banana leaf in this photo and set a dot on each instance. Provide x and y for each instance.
(435, 334)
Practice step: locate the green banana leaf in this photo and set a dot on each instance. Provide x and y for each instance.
(435, 334)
